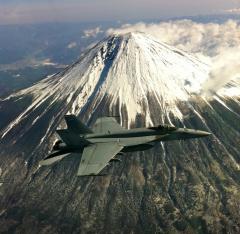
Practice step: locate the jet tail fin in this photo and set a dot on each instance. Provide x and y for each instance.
(71, 138)
(76, 126)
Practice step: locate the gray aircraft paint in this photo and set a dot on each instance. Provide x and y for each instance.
(107, 138)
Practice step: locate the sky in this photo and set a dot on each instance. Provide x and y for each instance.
(34, 11)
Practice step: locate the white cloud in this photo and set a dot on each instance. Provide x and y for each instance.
(92, 32)
(72, 45)
(215, 44)
(233, 11)
(225, 67)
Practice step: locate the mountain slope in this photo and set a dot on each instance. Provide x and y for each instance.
(190, 186)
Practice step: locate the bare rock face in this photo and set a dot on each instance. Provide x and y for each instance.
(177, 187)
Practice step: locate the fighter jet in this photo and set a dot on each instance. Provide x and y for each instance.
(100, 145)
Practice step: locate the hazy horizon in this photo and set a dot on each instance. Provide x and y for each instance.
(26, 11)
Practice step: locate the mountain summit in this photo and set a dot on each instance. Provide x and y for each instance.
(176, 187)
(127, 70)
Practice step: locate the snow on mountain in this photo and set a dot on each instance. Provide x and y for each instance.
(124, 69)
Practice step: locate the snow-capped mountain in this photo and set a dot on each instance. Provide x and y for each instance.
(178, 186)
(126, 69)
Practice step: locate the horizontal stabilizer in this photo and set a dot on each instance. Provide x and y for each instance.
(52, 160)
(76, 126)
(71, 138)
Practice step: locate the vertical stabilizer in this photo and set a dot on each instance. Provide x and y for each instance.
(76, 126)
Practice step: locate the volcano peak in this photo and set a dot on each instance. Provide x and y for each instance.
(133, 71)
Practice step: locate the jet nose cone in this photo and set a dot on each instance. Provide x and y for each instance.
(185, 133)
(192, 133)
(199, 133)
(203, 133)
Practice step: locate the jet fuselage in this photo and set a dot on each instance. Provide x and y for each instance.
(106, 139)
(137, 139)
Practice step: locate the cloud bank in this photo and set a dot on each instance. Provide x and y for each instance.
(72, 45)
(91, 32)
(215, 44)
(233, 11)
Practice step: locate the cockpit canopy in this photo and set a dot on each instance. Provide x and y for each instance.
(164, 128)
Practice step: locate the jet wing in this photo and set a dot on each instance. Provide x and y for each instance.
(95, 157)
(107, 125)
